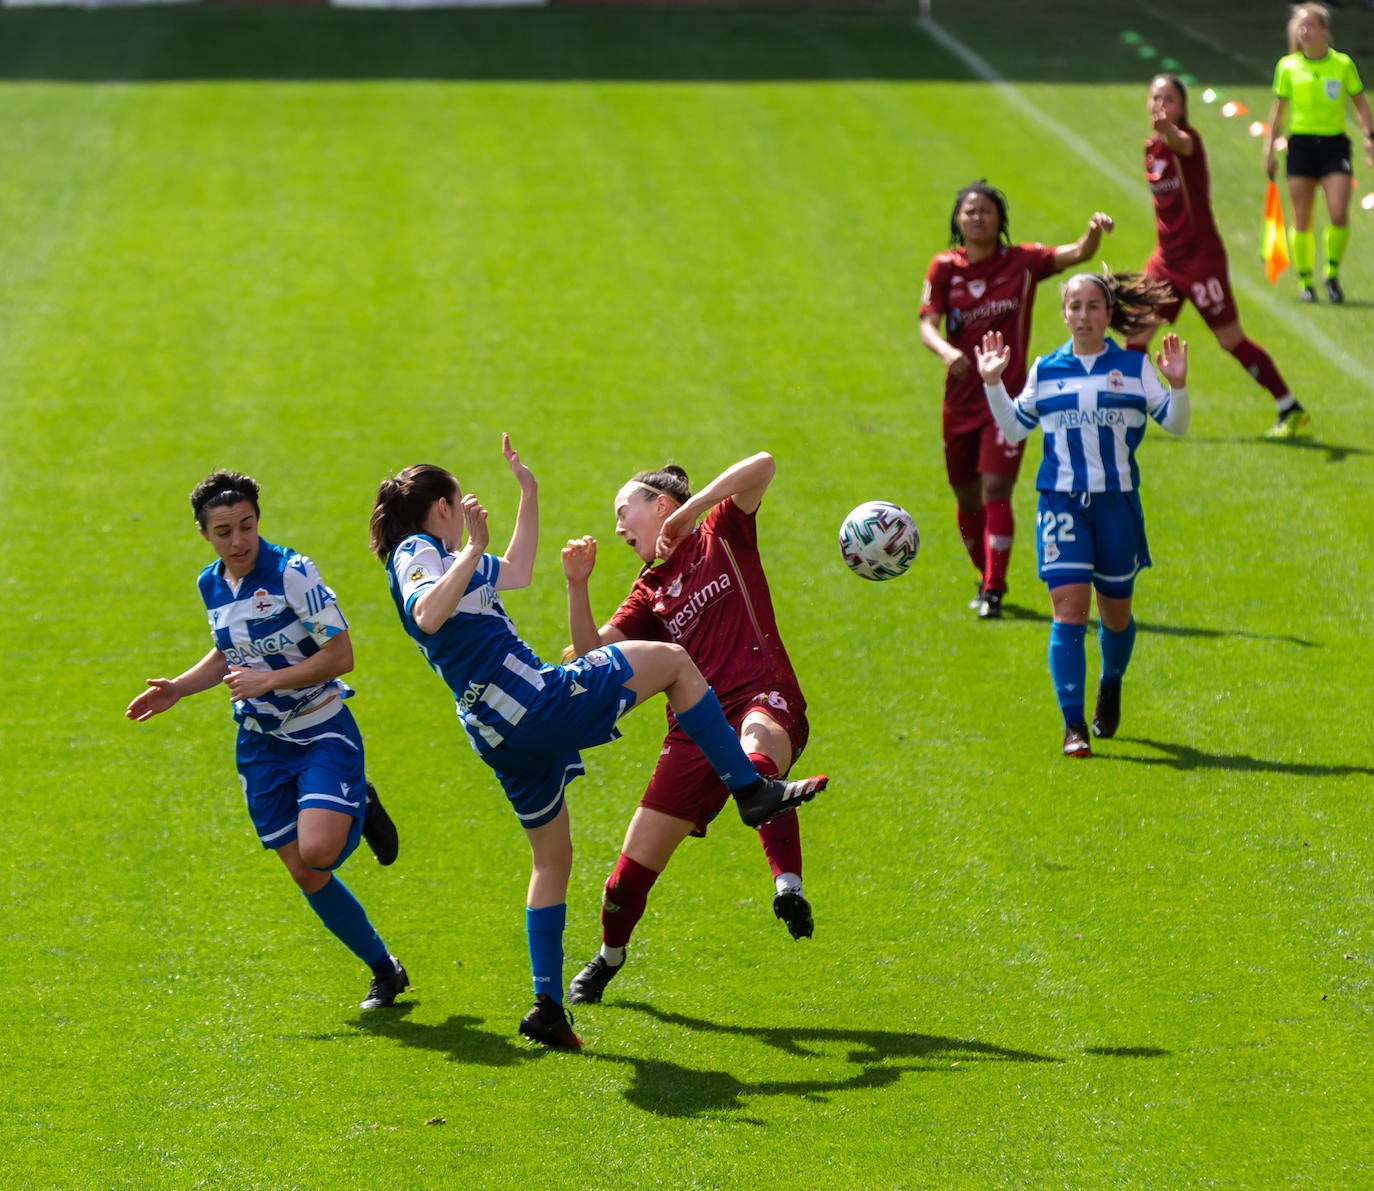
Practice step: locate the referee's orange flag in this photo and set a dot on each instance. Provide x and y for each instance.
(1274, 246)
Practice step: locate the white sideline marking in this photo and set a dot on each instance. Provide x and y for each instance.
(1322, 343)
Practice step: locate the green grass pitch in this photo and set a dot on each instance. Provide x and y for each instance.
(321, 245)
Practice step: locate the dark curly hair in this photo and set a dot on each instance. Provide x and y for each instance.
(999, 200)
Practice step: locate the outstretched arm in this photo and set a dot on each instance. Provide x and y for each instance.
(162, 694)
(579, 557)
(745, 481)
(517, 564)
(1085, 247)
(1172, 362)
(993, 356)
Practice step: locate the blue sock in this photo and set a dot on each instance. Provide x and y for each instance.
(1116, 649)
(710, 731)
(1069, 668)
(544, 927)
(344, 915)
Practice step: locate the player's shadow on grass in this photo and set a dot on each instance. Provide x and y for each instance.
(463, 1039)
(1184, 757)
(1018, 612)
(879, 1057)
(1334, 452)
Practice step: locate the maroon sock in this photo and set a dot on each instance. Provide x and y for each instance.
(972, 527)
(1001, 527)
(780, 837)
(622, 903)
(1257, 362)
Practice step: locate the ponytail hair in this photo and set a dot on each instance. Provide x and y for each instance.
(1133, 298)
(669, 480)
(403, 503)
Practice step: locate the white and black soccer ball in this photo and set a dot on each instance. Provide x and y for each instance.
(879, 540)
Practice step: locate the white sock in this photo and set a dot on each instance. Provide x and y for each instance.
(787, 883)
(615, 956)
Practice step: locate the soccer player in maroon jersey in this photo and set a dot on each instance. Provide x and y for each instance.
(710, 596)
(1189, 254)
(983, 283)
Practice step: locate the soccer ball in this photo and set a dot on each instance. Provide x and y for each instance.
(879, 540)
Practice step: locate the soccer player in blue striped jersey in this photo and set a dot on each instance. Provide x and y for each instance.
(280, 645)
(1092, 399)
(526, 719)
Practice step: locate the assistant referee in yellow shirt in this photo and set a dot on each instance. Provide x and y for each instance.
(1314, 80)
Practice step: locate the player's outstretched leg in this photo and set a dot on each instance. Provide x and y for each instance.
(770, 796)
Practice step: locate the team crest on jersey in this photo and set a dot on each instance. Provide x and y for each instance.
(1154, 169)
(1051, 550)
(778, 700)
(675, 587)
(417, 574)
(1115, 381)
(1333, 88)
(977, 289)
(262, 603)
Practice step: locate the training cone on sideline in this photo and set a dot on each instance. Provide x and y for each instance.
(1274, 245)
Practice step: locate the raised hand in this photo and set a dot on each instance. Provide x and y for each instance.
(992, 357)
(522, 473)
(1172, 360)
(579, 558)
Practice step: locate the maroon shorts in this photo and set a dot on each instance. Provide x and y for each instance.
(974, 449)
(683, 783)
(1205, 281)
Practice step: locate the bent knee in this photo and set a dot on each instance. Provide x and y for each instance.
(321, 856)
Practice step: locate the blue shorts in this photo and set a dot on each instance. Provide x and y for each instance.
(577, 709)
(1096, 537)
(323, 767)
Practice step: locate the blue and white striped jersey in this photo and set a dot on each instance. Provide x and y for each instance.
(279, 614)
(493, 674)
(1093, 419)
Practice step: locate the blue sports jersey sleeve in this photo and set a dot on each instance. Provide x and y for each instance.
(312, 601)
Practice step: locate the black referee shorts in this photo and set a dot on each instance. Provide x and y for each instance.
(1317, 156)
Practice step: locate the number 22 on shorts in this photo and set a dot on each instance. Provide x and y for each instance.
(1055, 528)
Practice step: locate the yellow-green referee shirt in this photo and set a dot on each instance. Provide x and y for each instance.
(1316, 92)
